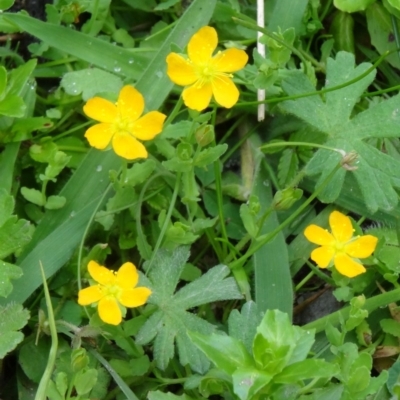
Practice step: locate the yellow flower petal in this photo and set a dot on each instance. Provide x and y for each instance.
(109, 311)
(322, 256)
(100, 110)
(150, 125)
(99, 135)
(180, 70)
(225, 92)
(316, 234)
(361, 247)
(89, 295)
(197, 97)
(341, 226)
(130, 103)
(202, 45)
(101, 274)
(347, 266)
(134, 297)
(127, 276)
(230, 60)
(128, 147)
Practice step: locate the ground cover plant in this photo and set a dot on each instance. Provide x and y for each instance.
(198, 204)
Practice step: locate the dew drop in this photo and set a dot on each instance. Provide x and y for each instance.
(72, 215)
(159, 74)
(117, 69)
(99, 168)
(131, 61)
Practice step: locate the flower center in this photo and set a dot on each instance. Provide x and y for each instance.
(112, 290)
(123, 125)
(206, 73)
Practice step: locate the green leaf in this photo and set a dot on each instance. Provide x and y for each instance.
(140, 172)
(8, 272)
(85, 381)
(19, 77)
(165, 5)
(375, 170)
(352, 5)
(171, 322)
(380, 28)
(213, 286)
(90, 82)
(12, 318)
(243, 325)
(288, 166)
(278, 343)
(14, 234)
(273, 283)
(93, 50)
(210, 155)
(225, 352)
(248, 381)
(3, 81)
(33, 195)
(5, 4)
(306, 369)
(55, 202)
(249, 220)
(12, 106)
(167, 396)
(390, 326)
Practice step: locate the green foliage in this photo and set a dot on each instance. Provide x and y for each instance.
(13, 318)
(332, 118)
(330, 132)
(171, 320)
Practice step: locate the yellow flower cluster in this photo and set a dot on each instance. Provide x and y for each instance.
(340, 247)
(206, 76)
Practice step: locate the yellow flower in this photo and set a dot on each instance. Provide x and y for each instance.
(114, 289)
(121, 124)
(208, 76)
(340, 246)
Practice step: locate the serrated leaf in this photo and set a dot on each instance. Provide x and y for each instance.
(90, 82)
(210, 154)
(8, 272)
(376, 172)
(171, 322)
(12, 318)
(14, 234)
(139, 172)
(212, 286)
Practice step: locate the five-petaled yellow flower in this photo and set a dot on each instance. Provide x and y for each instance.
(340, 246)
(114, 289)
(121, 124)
(206, 75)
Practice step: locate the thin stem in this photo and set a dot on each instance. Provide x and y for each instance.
(167, 219)
(269, 236)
